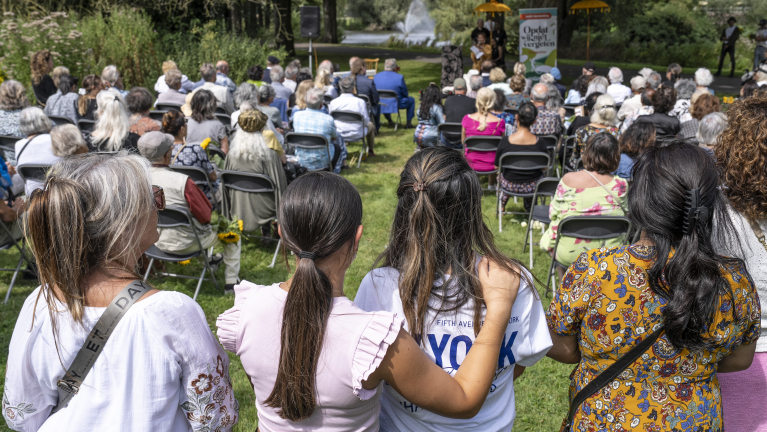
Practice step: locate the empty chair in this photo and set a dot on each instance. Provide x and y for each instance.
(546, 187)
(173, 217)
(310, 142)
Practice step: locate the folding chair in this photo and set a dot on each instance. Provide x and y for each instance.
(220, 109)
(8, 147)
(250, 183)
(59, 120)
(390, 104)
(33, 172)
(157, 115)
(175, 217)
(226, 120)
(326, 99)
(85, 125)
(353, 117)
(569, 110)
(482, 144)
(513, 111)
(588, 228)
(518, 161)
(198, 176)
(310, 142)
(551, 142)
(372, 64)
(214, 150)
(13, 243)
(167, 107)
(450, 133)
(568, 145)
(546, 187)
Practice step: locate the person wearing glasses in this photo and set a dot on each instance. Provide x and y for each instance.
(181, 192)
(161, 368)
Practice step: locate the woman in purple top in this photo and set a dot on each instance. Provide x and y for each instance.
(483, 122)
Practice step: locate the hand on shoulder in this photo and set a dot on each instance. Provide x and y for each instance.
(499, 286)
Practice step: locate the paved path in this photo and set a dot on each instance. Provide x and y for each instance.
(724, 85)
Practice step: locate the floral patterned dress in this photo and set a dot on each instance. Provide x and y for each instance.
(593, 201)
(583, 134)
(606, 300)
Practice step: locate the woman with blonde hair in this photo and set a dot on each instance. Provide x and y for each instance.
(112, 131)
(521, 69)
(13, 99)
(161, 86)
(517, 85)
(498, 77)
(604, 118)
(42, 83)
(482, 122)
(160, 366)
(301, 90)
(323, 82)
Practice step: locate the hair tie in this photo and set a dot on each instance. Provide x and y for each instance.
(694, 212)
(116, 98)
(308, 255)
(418, 187)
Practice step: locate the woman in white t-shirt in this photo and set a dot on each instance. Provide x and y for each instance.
(161, 369)
(429, 276)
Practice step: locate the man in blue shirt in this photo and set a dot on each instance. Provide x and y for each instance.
(313, 121)
(389, 79)
(222, 78)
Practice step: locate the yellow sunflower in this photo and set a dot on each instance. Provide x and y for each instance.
(239, 224)
(185, 262)
(229, 237)
(205, 143)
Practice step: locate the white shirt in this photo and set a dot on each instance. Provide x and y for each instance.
(349, 102)
(728, 31)
(619, 92)
(630, 106)
(221, 94)
(186, 86)
(448, 338)
(39, 152)
(159, 371)
(289, 83)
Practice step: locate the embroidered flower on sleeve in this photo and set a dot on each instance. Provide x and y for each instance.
(203, 383)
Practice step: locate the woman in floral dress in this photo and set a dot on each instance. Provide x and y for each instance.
(613, 298)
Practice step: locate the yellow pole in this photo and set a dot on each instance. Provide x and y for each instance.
(588, 33)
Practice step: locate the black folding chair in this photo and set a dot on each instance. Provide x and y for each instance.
(546, 187)
(513, 111)
(8, 147)
(225, 119)
(326, 99)
(518, 161)
(391, 94)
(33, 172)
(482, 144)
(568, 145)
(569, 110)
(167, 107)
(157, 115)
(214, 150)
(587, 228)
(451, 134)
(175, 217)
(354, 117)
(198, 176)
(250, 183)
(551, 142)
(85, 125)
(220, 110)
(13, 243)
(59, 120)
(310, 142)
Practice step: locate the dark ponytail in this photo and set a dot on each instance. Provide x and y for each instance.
(661, 205)
(319, 214)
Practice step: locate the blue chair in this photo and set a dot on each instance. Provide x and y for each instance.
(282, 105)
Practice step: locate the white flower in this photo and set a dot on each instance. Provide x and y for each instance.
(677, 379)
(569, 320)
(645, 356)
(615, 385)
(598, 404)
(611, 307)
(655, 367)
(603, 266)
(585, 297)
(591, 272)
(523, 224)
(640, 330)
(635, 422)
(617, 340)
(610, 418)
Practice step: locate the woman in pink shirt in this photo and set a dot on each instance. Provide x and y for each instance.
(316, 361)
(483, 122)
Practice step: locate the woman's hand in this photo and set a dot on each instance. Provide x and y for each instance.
(499, 290)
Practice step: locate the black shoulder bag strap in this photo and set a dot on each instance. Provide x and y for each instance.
(69, 385)
(24, 148)
(610, 374)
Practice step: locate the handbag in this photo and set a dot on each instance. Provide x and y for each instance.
(69, 384)
(610, 374)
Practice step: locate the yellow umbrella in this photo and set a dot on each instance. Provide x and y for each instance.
(492, 7)
(589, 6)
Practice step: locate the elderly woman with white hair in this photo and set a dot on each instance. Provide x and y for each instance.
(36, 149)
(250, 152)
(266, 95)
(684, 91)
(112, 79)
(598, 84)
(112, 130)
(604, 119)
(709, 129)
(703, 79)
(498, 79)
(160, 368)
(13, 99)
(67, 140)
(616, 89)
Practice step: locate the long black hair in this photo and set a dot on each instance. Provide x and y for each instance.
(319, 214)
(691, 281)
(431, 96)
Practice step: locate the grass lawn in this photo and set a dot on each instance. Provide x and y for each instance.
(540, 393)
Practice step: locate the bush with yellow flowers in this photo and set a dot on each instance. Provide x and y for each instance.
(229, 231)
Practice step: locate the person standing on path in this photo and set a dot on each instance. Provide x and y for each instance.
(761, 43)
(729, 36)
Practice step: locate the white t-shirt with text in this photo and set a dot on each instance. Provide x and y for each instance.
(449, 337)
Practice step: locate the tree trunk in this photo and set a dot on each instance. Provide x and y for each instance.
(235, 11)
(268, 14)
(283, 26)
(330, 30)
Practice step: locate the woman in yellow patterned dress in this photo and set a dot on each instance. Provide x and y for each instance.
(613, 298)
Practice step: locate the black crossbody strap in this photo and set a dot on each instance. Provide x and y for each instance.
(611, 373)
(69, 385)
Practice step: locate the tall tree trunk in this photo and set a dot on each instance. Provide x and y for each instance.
(235, 11)
(283, 26)
(330, 30)
(268, 11)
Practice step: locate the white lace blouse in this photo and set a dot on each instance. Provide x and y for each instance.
(161, 370)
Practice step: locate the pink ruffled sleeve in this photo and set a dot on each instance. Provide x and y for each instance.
(228, 323)
(381, 331)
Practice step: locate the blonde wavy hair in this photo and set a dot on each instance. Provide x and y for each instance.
(301, 93)
(484, 104)
(322, 80)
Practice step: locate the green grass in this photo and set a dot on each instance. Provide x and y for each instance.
(540, 393)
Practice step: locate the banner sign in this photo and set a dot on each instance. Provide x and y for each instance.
(538, 41)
